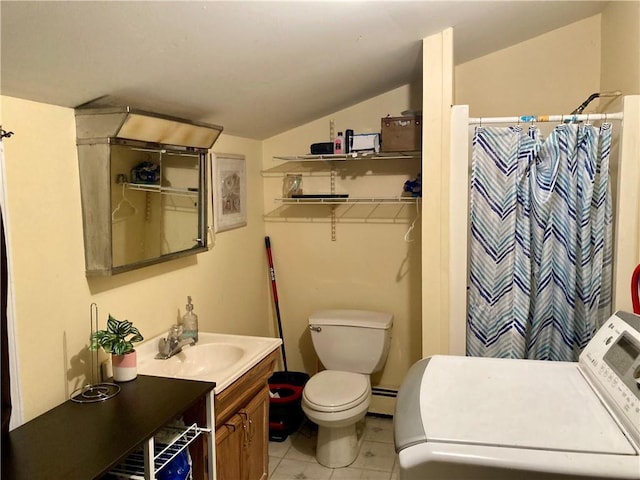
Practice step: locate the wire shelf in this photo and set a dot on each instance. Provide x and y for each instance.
(358, 165)
(334, 208)
(352, 156)
(341, 200)
(146, 187)
(352, 211)
(133, 466)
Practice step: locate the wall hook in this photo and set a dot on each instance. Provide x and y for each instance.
(4, 133)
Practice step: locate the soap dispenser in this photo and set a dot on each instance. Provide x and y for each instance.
(190, 322)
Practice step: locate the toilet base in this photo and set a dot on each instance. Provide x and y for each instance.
(339, 446)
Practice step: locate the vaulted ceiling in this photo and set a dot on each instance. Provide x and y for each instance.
(256, 67)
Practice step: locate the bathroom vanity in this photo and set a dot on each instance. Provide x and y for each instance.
(241, 366)
(242, 425)
(87, 441)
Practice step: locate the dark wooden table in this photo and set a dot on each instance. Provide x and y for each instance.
(84, 441)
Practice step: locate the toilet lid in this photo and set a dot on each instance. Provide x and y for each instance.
(334, 391)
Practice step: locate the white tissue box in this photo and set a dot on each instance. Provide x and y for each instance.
(365, 142)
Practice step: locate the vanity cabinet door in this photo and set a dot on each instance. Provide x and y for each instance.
(256, 417)
(242, 447)
(242, 421)
(229, 449)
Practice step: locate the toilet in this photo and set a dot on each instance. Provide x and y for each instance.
(351, 344)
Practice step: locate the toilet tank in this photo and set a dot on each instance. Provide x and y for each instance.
(351, 340)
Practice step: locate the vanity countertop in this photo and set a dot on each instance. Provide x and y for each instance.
(85, 441)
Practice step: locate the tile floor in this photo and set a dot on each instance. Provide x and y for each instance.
(294, 459)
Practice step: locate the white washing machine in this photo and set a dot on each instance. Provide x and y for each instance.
(487, 418)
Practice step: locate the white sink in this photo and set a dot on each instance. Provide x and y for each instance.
(216, 358)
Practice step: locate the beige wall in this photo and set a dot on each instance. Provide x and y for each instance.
(229, 283)
(621, 71)
(549, 74)
(369, 266)
(436, 235)
(620, 62)
(627, 206)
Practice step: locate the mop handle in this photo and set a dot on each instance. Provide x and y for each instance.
(272, 274)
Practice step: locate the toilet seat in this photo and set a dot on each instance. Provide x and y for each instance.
(336, 391)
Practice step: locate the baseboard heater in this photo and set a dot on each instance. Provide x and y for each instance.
(384, 392)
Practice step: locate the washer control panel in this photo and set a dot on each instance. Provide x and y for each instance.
(612, 361)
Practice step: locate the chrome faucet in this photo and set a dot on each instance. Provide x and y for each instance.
(173, 344)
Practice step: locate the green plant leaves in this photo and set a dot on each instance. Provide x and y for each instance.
(114, 339)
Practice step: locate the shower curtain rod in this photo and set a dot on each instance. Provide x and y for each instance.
(547, 118)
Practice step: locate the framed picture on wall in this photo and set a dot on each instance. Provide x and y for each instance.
(230, 192)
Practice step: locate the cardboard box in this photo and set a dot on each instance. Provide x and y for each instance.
(401, 134)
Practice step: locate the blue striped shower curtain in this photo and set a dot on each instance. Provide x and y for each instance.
(541, 247)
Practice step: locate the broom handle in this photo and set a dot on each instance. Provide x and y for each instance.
(274, 289)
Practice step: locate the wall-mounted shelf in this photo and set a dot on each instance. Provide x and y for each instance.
(352, 156)
(339, 200)
(348, 164)
(373, 211)
(333, 209)
(148, 187)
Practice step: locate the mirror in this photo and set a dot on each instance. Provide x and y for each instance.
(142, 204)
(143, 198)
(155, 200)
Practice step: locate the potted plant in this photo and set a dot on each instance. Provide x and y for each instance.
(118, 340)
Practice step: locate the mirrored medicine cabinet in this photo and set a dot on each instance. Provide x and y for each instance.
(143, 181)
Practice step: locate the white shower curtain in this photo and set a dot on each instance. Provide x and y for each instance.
(541, 254)
(16, 396)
